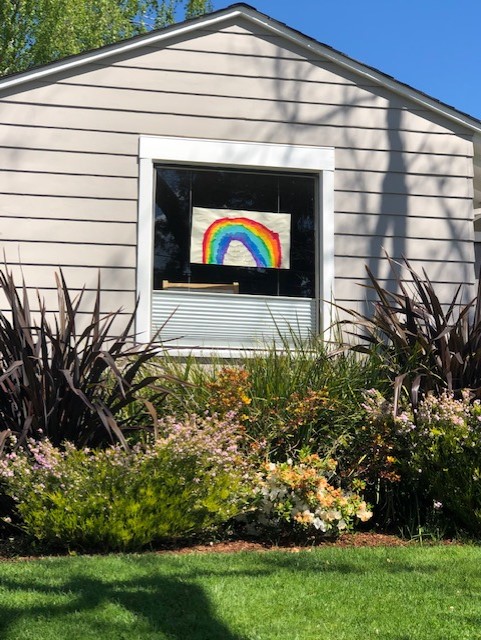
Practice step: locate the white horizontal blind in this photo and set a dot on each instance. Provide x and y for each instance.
(222, 320)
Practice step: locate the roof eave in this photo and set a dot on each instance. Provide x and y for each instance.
(278, 28)
(363, 70)
(124, 46)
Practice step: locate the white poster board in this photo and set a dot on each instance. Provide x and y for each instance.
(240, 238)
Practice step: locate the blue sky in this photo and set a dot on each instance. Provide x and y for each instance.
(433, 46)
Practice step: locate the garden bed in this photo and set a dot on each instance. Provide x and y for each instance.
(292, 444)
(18, 548)
(358, 539)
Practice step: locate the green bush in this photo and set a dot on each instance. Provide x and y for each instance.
(189, 479)
(310, 395)
(448, 452)
(424, 464)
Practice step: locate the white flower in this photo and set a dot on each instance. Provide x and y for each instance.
(319, 524)
(309, 516)
(363, 514)
(333, 515)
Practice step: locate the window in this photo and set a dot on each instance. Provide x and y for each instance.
(235, 240)
(185, 197)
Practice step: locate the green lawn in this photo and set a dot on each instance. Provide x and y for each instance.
(413, 593)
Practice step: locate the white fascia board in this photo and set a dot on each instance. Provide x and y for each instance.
(115, 49)
(362, 70)
(271, 25)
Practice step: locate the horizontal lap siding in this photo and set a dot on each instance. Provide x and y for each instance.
(401, 161)
(95, 164)
(415, 227)
(390, 204)
(35, 135)
(280, 128)
(76, 276)
(427, 249)
(71, 253)
(112, 300)
(44, 183)
(354, 266)
(69, 170)
(364, 292)
(192, 82)
(68, 208)
(63, 231)
(118, 101)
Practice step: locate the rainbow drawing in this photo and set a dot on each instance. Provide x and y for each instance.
(240, 238)
(262, 243)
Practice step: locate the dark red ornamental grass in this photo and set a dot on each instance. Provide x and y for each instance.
(423, 344)
(69, 378)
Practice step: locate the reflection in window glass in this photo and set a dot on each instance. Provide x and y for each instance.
(180, 189)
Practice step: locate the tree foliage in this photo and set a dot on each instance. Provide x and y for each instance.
(35, 32)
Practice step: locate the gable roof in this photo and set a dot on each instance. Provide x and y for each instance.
(473, 125)
(261, 19)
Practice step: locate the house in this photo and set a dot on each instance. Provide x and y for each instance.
(233, 174)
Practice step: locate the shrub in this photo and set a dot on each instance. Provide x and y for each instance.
(229, 390)
(301, 499)
(379, 452)
(276, 426)
(190, 478)
(287, 399)
(65, 381)
(311, 394)
(423, 459)
(447, 439)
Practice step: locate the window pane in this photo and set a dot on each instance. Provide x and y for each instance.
(172, 226)
(180, 189)
(229, 190)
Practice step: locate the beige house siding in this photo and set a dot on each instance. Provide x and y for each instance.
(69, 157)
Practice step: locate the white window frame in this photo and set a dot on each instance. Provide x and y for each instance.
(198, 152)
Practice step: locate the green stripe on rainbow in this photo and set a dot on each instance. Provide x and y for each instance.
(263, 244)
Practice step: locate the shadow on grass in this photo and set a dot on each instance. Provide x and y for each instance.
(177, 608)
(155, 605)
